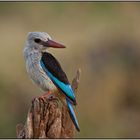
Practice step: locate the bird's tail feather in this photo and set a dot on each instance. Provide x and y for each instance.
(72, 114)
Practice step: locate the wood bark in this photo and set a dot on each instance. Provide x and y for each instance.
(48, 118)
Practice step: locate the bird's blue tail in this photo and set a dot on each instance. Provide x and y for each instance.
(72, 114)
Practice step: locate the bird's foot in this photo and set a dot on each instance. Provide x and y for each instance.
(44, 96)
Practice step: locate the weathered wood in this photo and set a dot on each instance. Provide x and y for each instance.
(48, 118)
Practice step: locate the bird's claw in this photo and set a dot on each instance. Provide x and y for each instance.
(43, 97)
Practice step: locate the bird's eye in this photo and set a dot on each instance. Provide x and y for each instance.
(37, 40)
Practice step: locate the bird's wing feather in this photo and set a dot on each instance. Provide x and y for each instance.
(53, 69)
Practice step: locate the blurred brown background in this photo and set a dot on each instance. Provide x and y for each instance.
(102, 38)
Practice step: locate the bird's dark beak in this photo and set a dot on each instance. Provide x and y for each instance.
(53, 44)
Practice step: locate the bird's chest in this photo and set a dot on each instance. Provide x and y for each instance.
(37, 74)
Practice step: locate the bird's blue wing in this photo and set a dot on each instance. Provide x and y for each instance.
(66, 88)
(56, 74)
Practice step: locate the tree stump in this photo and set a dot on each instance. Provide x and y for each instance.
(47, 119)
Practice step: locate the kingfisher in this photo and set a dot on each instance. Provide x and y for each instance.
(46, 72)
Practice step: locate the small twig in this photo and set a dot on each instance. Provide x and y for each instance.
(45, 119)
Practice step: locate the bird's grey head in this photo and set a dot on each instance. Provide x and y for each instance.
(41, 41)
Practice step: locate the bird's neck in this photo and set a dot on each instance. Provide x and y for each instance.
(31, 53)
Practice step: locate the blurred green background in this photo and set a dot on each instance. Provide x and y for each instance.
(102, 38)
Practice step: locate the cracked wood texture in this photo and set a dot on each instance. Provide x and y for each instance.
(48, 118)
